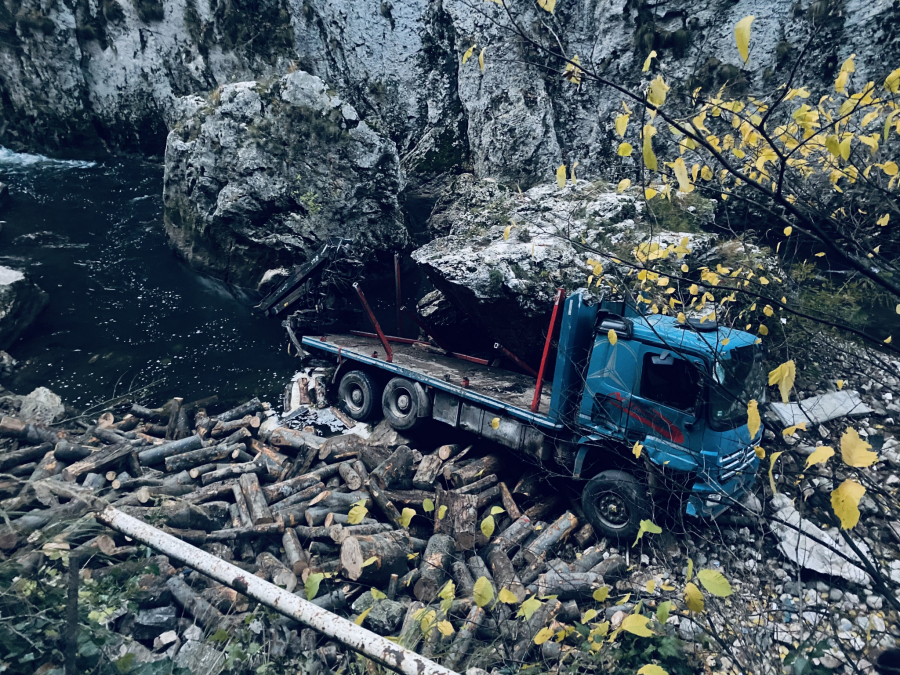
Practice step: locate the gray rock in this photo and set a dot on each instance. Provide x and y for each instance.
(385, 617)
(42, 406)
(688, 630)
(20, 303)
(4, 194)
(151, 623)
(199, 657)
(614, 567)
(7, 364)
(261, 176)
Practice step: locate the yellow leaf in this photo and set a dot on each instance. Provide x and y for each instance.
(715, 582)
(890, 168)
(845, 502)
(888, 339)
(763, 329)
(468, 54)
(753, 420)
(819, 456)
(651, 586)
(648, 154)
(507, 597)
(496, 510)
(572, 174)
(652, 669)
(612, 337)
(855, 451)
(311, 586)
(845, 147)
(487, 526)
(588, 615)
(662, 612)
(370, 561)
(406, 517)
(784, 376)
(690, 569)
(623, 185)
(427, 505)
(693, 597)
(840, 384)
(646, 526)
(446, 628)
(543, 635)
(426, 623)
(637, 625)
(561, 175)
(636, 450)
(549, 5)
(650, 193)
(622, 124)
(680, 169)
(482, 592)
(376, 594)
(742, 37)
(362, 617)
(760, 452)
(681, 317)
(790, 431)
(481, 60)
(495, 423)
(357, 513)
(706, 173)
(884, 219)
(601, 594)
(892, 81)
(656, 94)
(529, 607)
(442, 511)
(624, 150)
(652, 54)
(788, 230)
(772, 459)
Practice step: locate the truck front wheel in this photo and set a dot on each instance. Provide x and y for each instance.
(615, 503)
(404, 404)
(358, 395)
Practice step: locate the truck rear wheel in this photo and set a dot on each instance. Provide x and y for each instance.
(403, 405)
(615, 503)
(358, 394)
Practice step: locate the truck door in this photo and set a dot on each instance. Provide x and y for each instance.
(611, 379)
(666, 400)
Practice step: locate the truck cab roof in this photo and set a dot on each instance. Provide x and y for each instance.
(705, 338)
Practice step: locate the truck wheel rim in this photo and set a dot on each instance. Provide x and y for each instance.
(403, 401)
(355, 399)
(612, 510)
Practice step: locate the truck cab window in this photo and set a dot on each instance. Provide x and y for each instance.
(670, 381)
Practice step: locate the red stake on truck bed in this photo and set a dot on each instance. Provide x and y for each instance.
(536, 401)
(384, 340)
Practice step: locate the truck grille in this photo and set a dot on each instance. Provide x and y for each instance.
(736, 462)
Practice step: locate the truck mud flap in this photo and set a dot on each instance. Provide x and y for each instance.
(446, 408)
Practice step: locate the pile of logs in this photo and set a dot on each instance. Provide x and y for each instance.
(400, 534)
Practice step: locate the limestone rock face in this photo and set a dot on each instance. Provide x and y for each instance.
(20, 303)
(42, 406)
(259, 176)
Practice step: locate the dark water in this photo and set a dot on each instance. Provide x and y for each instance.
(124, 312)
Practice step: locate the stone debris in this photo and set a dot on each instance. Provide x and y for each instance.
(817, 410)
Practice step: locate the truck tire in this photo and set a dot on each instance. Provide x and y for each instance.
(615, 503)
(358, 395)
(402, 404)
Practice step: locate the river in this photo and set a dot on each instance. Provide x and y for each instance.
(124, 312)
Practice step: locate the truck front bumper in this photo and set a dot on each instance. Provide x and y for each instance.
(709, 499)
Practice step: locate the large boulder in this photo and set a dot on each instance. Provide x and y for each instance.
(20, 303)
(503, 254)
(258, 176)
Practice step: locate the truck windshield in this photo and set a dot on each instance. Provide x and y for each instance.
(736, 380)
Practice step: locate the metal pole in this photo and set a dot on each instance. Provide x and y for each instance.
(536, 401)
(399, 295)
(384, 341)
(515, 359)
(429, 331)
(410, 341)
(367, 643)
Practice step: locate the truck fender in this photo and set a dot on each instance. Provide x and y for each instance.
(425, 402)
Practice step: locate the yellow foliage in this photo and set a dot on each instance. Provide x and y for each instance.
(693, 597)
(845, 502)
(819, 456)
(753, 420)
(623, 185)
(783, 376)
(855, 451)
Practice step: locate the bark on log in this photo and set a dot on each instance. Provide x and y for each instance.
(211, 516)
(351, 478)
(268, 451)
(225, 599)
(360, 468)
(530, 628)
(297, 497)
(384, 504)
(232, 471)
(411, 498)
(465, 584)
(462, 643)
(550, 537)
(153, 415)
(372, 455)
(241, 503)
(66, 451)
(223, 429)
(584, 535)
(479, 485)
(435, 567)
(279, 491)
(249, 408)
(23, 455)
(531, 572)
(256, 501)
(394, 472)
(30, 433)
(568, 585)
(428, 471)
(174, 409)
(509, 503)
(513, 535)
(504, 574)
(187, 460)
(97, 461)
(94, 481)
(489, 496)
(459, 520)
(542, 507)
(460, 476)
(297, 558)
(158, 453)
(446, 452)
(390, 558)
(338, 533)
(205, 614)
(276, 571)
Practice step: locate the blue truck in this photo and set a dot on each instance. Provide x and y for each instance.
(640, 404)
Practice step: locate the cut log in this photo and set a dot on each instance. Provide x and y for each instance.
(334, 518)
(384, 504)
(174, 409)
(459, 476)
(527, 631)
(157, 415)
(550, 537)
(589, 558)
(225, 599)
(233, 471)
(297, 497)
(187, 460)
(428, 471)
(568, 585)
(293, 515)
(241, 436)
(339, 533)
(371, 455)
(463, 578)
(504, 574)
(489, 496)
(531, 572)
(30, 433)
(513, 535)
(24, 455)
(249, 408)
(435, 567)
(395, 471)
(241, 503)
(261, 448)
(279, 491)
(211, 516)
(542, 507)
(411, 498)
(389, 558)
(509, 503)
(256, 501)
(479, 485)
(158, 453)
(462, 643)
(351, 478)
(204, 613)
(98, 461)
(223, 429)
(66, 451)
(446, 452)
(584, 534)
(529, 485)
(459, 520)
(276, 571)
(360, 469)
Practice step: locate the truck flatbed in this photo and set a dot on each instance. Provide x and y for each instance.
(492, 388)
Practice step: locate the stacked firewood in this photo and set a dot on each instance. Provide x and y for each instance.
(442, 547)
